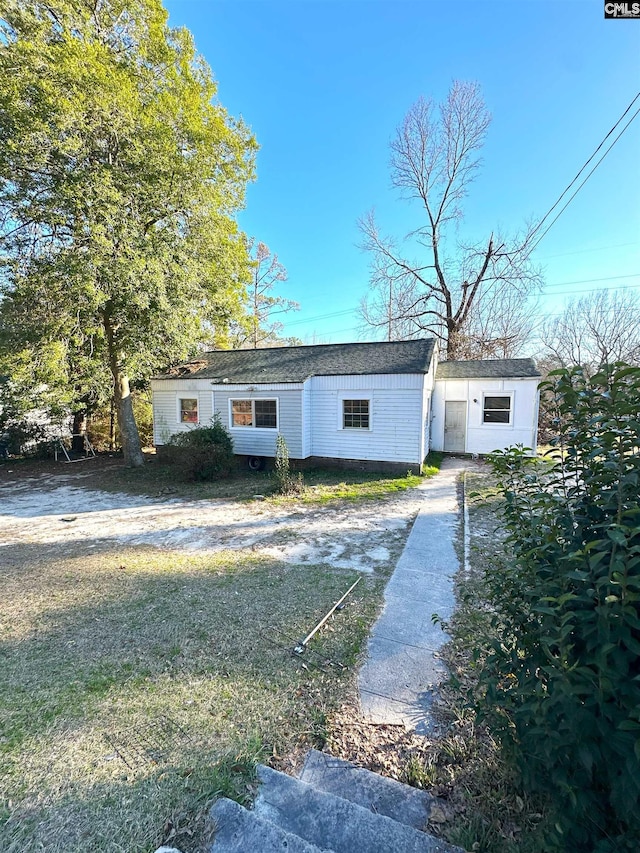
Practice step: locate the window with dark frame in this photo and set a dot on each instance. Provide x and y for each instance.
(262, 414)
(496, 409)
(266, 413)
(189, 411)
(355, 414)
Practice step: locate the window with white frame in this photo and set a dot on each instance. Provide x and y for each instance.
(497, 408)
(261, 414)
(355, 414)
(188, 410)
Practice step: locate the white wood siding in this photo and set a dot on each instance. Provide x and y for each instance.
(310, 415)
(396, 417)
(246, 441)
(251, 441)
(427, 393)
(166, 412)
(306, 420)
(379, 381)
(481, 437)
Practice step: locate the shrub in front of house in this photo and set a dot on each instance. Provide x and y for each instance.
(202, 453)
(287, 483)
(560, 673)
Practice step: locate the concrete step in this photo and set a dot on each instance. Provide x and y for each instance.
(343, 826)
(241, 831)
(380, 795)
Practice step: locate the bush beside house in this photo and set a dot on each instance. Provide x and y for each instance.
(202, 453)
(559, 675)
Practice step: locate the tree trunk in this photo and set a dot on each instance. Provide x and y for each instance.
(131, 449)
(133, 455)
(112, 425)
(79, 431)
(453, 341)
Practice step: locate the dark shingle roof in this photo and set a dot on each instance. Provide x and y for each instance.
(498, 368)
(295, 364)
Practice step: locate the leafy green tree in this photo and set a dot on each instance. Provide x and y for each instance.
(120, 177)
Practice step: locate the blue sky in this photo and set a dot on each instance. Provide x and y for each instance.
(324, 83)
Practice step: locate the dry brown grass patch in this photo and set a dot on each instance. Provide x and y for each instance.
(100, 646)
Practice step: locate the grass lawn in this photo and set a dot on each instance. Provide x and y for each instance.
(138, 684)
(322, 485)
(179, 665)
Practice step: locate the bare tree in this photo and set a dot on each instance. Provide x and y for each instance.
(259, 329)
(499, 325)
(388, 307)
(601, 328)
(434, 159)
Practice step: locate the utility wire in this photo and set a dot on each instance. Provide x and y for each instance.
(552, 284)
(320, 317)
(585, 251)
(591, 280)
(545, 217)
(596, 290)
(565, 191)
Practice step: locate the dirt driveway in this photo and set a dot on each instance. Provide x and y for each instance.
(62, 511)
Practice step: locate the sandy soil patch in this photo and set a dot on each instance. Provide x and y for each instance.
(359, 535)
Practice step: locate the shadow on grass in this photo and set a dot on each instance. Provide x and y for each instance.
(157, 479)
(107, 646)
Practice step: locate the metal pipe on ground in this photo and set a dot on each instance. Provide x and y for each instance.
(299, 649)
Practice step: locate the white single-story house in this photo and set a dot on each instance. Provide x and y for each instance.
(480, 406)
(380, 405)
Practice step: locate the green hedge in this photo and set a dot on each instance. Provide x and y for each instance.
(202, 453)
(560, 673)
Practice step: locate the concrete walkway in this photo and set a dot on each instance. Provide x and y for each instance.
(402, 669)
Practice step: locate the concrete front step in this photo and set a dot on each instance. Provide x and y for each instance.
(326, 820)
(240, 831)
(379, 794)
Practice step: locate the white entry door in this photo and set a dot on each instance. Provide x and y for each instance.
(455, 426)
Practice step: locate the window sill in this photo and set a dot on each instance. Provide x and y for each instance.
(254, 429)
(494, 425)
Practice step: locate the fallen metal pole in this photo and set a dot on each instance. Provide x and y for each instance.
(303, 644)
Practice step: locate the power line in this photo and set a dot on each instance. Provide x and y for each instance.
(598, 290)
(566, 190)
(553, 284)
(303, 321)
(548, 228)
(584, 251)
(592, 280)
(321, 317)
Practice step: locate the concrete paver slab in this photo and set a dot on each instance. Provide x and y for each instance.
(399, 671)
(409, 622)
(429, 588)
(402, 669)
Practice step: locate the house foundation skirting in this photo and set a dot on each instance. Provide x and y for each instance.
(369, 465)
(372, 465)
